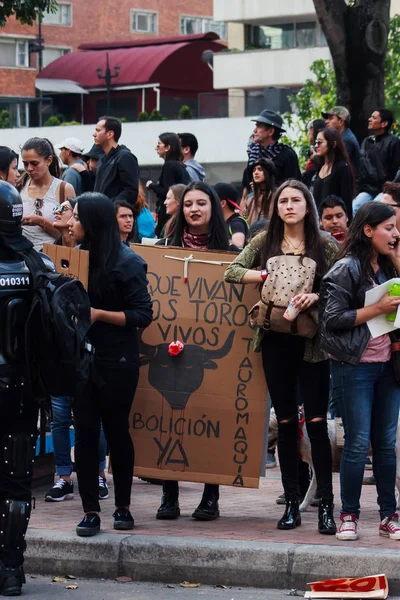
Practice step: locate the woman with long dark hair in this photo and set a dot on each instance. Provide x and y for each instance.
(257, 206)
(362, 371)
(173, 171)
(8, 165)
(41, 191)
(200, 225)
(293, 257)
(335, 175)
(120, 303)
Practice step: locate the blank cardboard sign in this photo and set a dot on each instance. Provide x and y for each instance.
(69, 261)
(198, 415)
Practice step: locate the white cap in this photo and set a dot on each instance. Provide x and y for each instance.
(72, 144)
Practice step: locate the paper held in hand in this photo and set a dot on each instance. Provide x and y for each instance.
(380, 325)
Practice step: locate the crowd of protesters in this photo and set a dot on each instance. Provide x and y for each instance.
(334, 231)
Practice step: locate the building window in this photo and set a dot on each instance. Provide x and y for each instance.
(14, 53)
(189, 25)
(282, 36)
(51, 54)
(62, 16)
(143, 21)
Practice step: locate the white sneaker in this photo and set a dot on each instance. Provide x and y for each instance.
(348, 528)
(390, 527)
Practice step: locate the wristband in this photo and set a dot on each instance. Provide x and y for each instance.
(264, 274)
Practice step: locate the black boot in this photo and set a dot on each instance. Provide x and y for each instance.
(208, 509)
(326, 523)
(14, 577)
(291, 517)
(169, 508)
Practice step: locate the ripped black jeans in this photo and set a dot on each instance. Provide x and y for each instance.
(285, 369)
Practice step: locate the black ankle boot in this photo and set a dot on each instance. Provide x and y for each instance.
(14, 577)
(169, 508)
(326, 523)
(208, 509)
(291, 517)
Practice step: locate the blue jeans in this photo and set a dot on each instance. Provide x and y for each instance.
(363, 197)
(369, 405)
(59, 426)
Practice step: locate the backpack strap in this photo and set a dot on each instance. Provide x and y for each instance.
(61, 196)
(34, 262)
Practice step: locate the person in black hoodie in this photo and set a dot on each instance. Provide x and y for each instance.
(173, 171)
(117, 172)
(120, 303)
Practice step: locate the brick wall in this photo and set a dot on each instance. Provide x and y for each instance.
(17, 82)
(110, 21)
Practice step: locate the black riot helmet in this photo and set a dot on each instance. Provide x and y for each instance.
(11, 208)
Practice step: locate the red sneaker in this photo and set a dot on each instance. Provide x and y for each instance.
(390, 527)
(347, 529)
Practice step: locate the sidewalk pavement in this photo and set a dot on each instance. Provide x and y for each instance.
(241, 548)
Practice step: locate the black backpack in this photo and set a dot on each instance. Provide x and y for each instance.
(58, 354)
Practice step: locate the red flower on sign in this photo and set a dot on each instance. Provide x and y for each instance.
(175, 348)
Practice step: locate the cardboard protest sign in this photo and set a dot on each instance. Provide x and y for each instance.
(198, 413)
(69, 261)
(372, 586)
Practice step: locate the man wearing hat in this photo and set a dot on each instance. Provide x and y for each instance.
(71, 154)
(339, 118)
(236, 224)
(266, 134)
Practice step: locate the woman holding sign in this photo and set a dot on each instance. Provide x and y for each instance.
(120, 304)
(293, 256)
(200, 225)
(362, 370)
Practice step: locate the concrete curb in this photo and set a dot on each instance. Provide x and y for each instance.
(207, 561)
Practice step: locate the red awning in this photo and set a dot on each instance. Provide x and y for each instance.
(174, 63)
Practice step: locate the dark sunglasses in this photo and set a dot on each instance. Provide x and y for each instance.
(61, 209)
(38, 205)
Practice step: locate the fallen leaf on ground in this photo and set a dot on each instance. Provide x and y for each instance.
(123, 579)
(221, 586)
(71, 577)
(169, 585)
(71, 587)
(187, 584)
(59, 579)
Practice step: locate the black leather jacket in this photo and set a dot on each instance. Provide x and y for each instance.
(342, 293)
(380, 160)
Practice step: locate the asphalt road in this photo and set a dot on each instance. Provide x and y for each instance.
(42, 588)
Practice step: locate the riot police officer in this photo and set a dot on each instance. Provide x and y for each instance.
(18, 409)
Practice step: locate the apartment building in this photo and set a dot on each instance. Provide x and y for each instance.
(272, 43)
(76, 22)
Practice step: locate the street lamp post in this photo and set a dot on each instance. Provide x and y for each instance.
(108, 76)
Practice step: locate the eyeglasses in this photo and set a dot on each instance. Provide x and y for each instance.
(38, 205)
(319, 142)
(61, 209)
(159, 145)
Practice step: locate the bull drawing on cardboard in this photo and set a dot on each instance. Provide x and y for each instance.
(177, 377)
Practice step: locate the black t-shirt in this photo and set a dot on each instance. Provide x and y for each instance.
(236, 224)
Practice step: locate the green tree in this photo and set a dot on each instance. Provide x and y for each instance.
(392, 78)
(25, 11)
(4, 119)
(315, 96)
